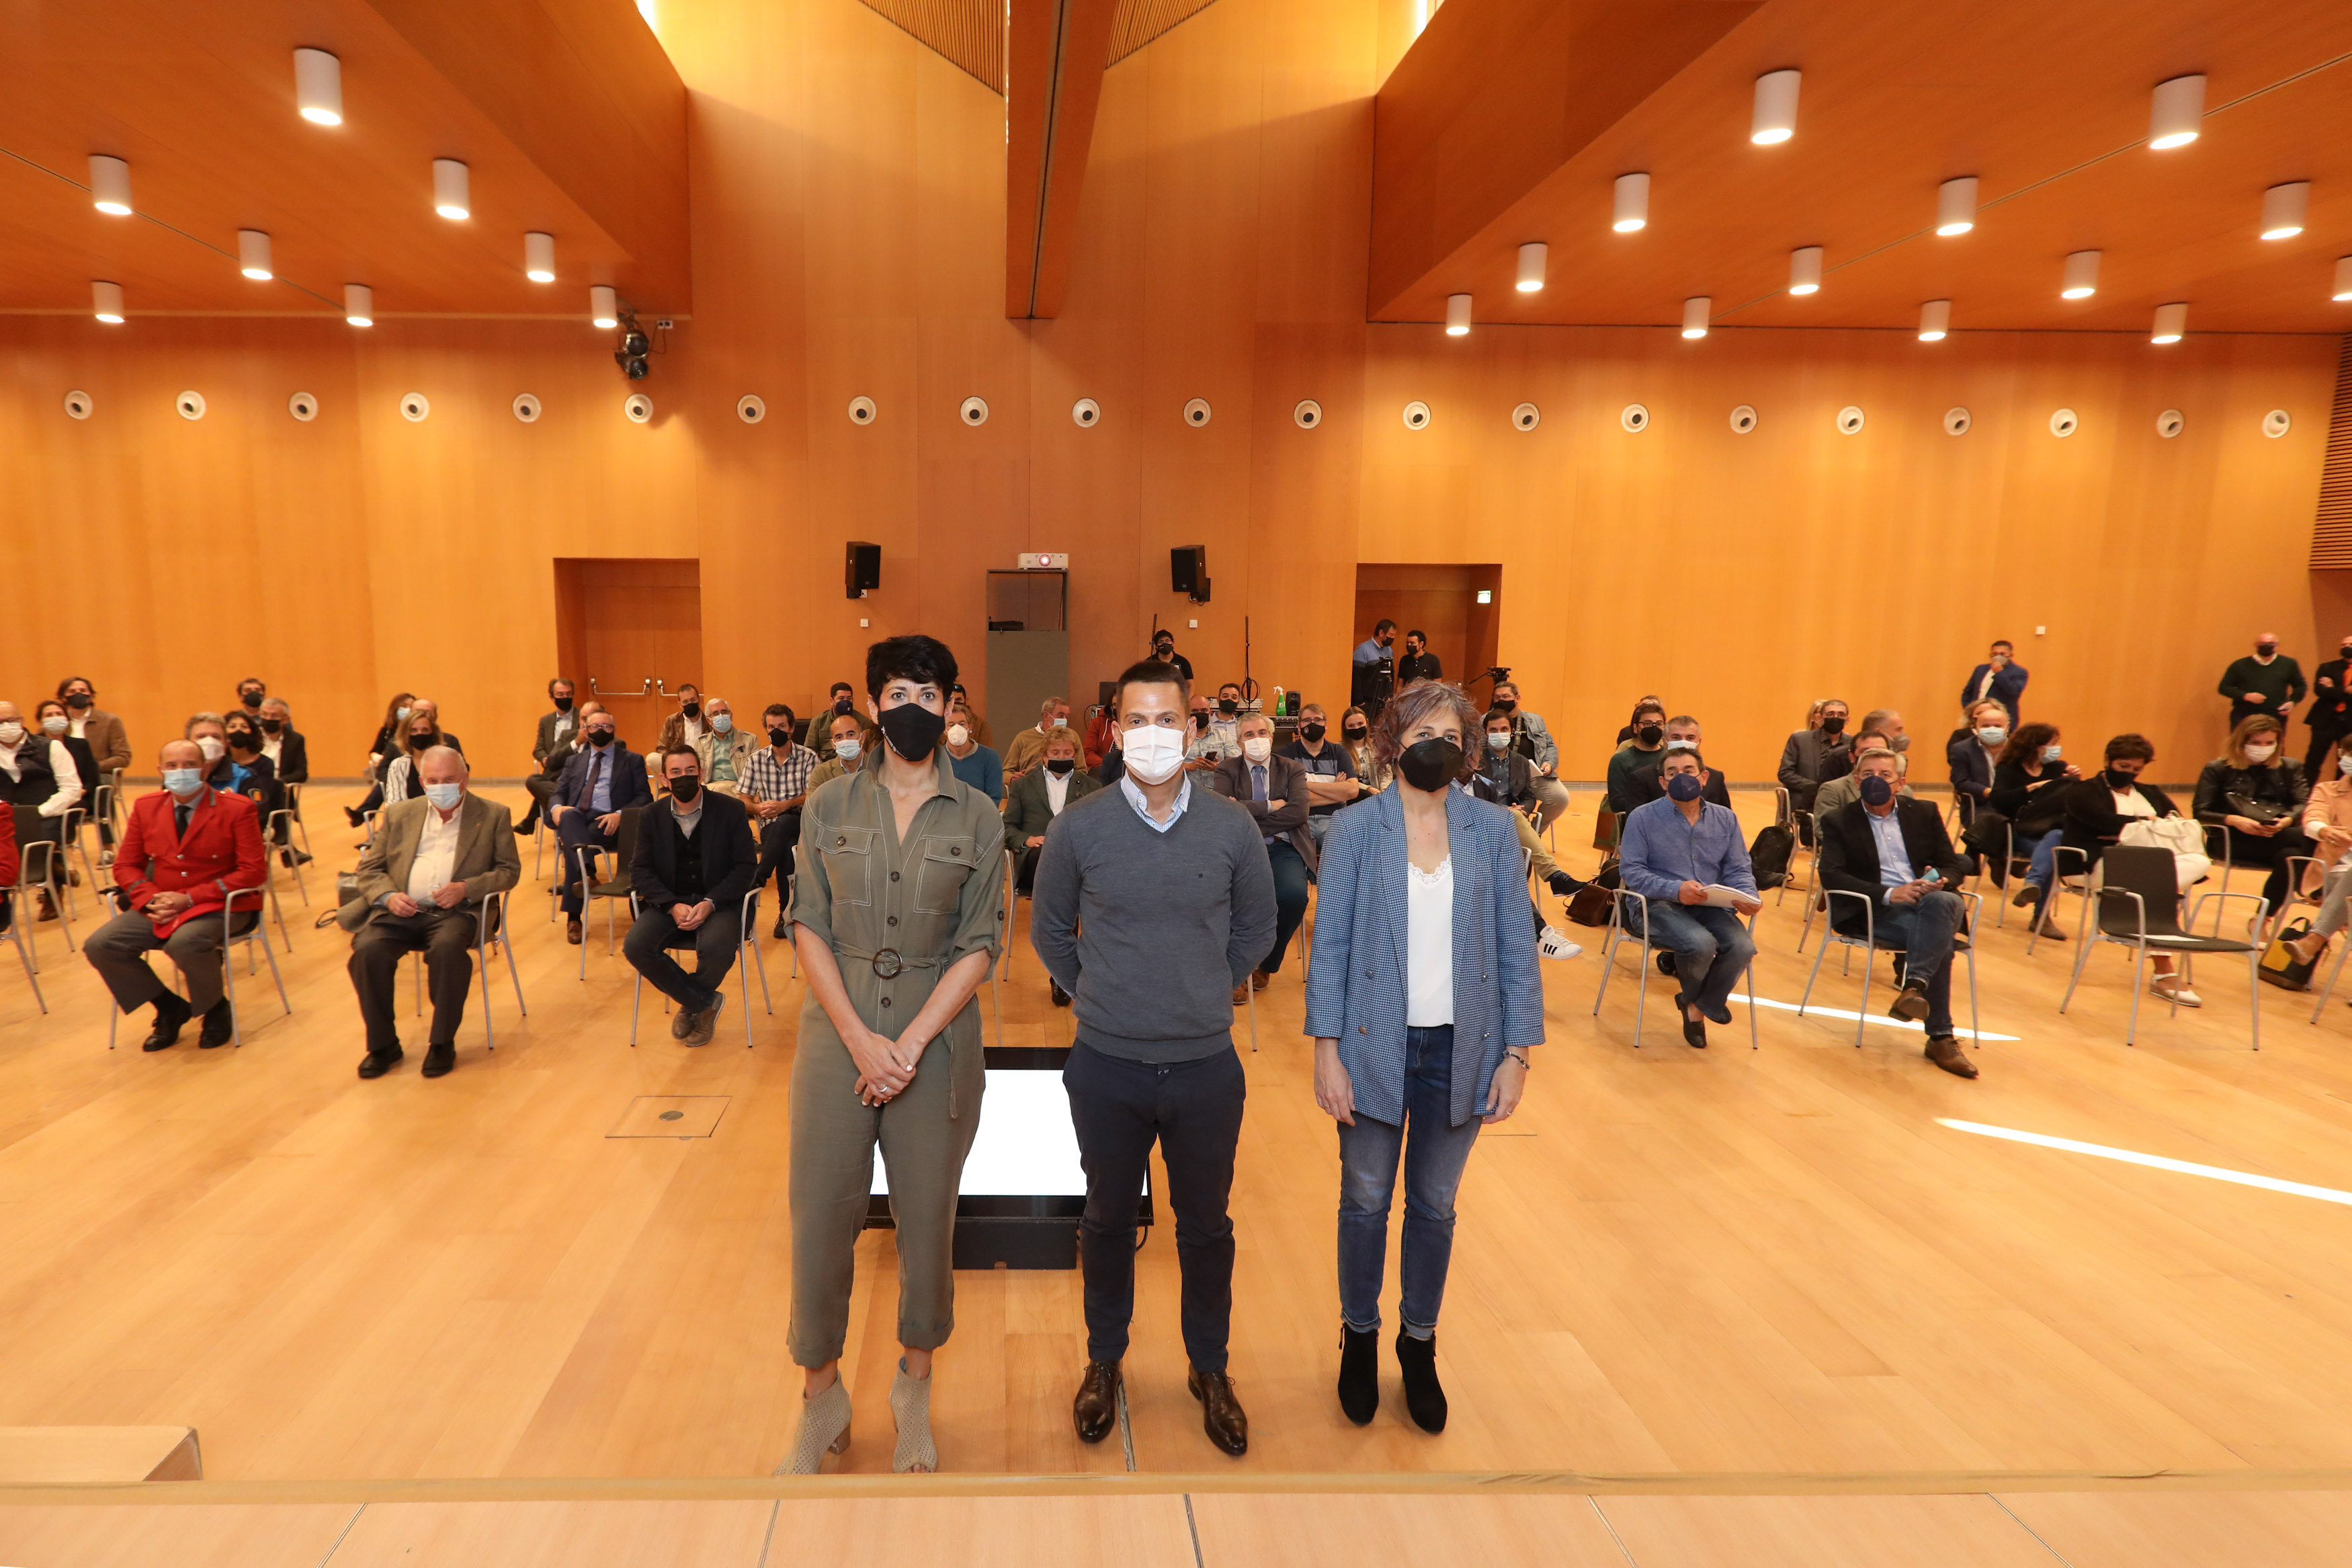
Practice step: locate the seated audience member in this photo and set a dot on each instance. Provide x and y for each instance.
(52, 723)
(724, 751)
(284, 745)
(684, 727)
(418, 735)
(1837, 794)
(603, 778)
(1029, 744)
(975, 764)
(2028, 785)
(541, 785)
(1212, 735)
(1540, 865)
(2256, 793)
(1331, 780)
(1226, 722)
(848, 740)
(435, 858)
(1635, 757)
(109, 744)
(841, 697)
(249, 693)
(1886, 721)
(251, 773)
(974, 719)
(37, 772)
(1509, 777)
(1671, 851)
(1102, 737)
(1274, 791)
(1418, 662)
(558, 724)
(1652, 704)
(185, 848)
(1681, 735)
(2327, 823)
(1163, 648)
(696, 859)
(2099, 809)
(381, 750)
(1813, 755)
(1974, 750)
(1355, 734)
(1043, 794)
(775, 787)
(1533, 741)
(1895, 853)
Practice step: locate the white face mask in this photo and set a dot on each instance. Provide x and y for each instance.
(445, 796)
(55, 723)
(958, 735)
(1153, 752)
(1257, 748)
(720, 724)
(847, 749)
(1061, 723)
(2256, 751)
(212, 749)
(11, 733)
(1498, 739)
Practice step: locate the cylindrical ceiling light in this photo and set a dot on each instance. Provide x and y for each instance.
(1633, 203)
(1955, 206)
(109, 185)
(2177, 113)
(253, 254)
(1532, 256)
(318, 87)
(1694, 315)
(359, 304)
(2284, 207)
(1775, 120)
(2081, 279)
(539, 256)
(2171, 323)
(452, 190)
(1805, 270)
(2343, 289)
(604, 306)
(1935, 320)
(106, 302)
(1457, 315)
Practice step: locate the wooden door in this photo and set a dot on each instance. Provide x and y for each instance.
(1442, 601)
(630, 633)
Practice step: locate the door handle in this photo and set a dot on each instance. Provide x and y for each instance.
(595, 690)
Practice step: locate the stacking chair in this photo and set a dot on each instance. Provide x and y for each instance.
(255, 935)
(2138, 906)
(16, 918)
(489, 925)
(283, 818)
(40, 868)
(2057, 885)
(294, 810)
(72, 846)
(1870, 946)
(748, 957)
(1805, 826)
(1627, 903)
(617, 888)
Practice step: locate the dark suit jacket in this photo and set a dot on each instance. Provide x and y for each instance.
(730, 852)
(2093, 824)
(1810, 760)
(293, 758)
(1521, 788)
(1286, 780)
(2007, 687)
(546, 741)
(1850, 855)
(1971, 768)
(630, 786)
(1028, 810)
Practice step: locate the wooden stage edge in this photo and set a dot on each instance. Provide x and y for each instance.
(704, 1489)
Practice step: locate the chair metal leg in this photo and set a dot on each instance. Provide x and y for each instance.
(229, 992)
(2333, 970)
(1642, 983)
(1976, 1028)
(2082, 953)
(1608, 951)
(636, 994)
(418, 972)
(2255, 991)
(513, 975)
(482, 957)
(1820, 953)
(2139, 981)
(1862, 1008)
(17, 935)
(766, 998)
(1752, 1043)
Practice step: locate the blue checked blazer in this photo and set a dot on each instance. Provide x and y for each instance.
(1356, 970)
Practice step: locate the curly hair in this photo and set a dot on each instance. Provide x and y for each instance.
(1415, 705)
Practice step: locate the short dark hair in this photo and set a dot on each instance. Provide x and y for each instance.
(560, 681)
(1673, 751)
(839, 686)
(253, 681)
(2130, 744)
(926, 661)
(2004, 642)
(1382, 624)
(1492, 713)
(1149, 672)
(686, 751)
(1684, 718)
(1163, 631)
(65, 683)
(1417, 631)
(1650, 705)
(773, 709)
(1235, 685)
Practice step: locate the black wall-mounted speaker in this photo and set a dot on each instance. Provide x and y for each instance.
(1188, 571)
(864, 569)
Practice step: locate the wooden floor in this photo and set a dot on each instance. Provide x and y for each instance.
(1770, 1263)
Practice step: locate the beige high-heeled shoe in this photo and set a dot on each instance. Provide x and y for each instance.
(824, 1429)
(910, 1407)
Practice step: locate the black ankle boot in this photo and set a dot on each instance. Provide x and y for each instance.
(1424, 1399)
(1359, 1373)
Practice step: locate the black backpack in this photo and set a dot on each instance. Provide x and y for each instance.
(1770, 855)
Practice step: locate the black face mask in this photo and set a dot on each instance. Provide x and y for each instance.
(1431, 764)
(272, 726)
(1311, 733)
(244, 740)
(1833, 724)
(692, 710)
(250, 699)
(1228, 705)
(1508, 704)
(563, 704)
(913, 730)
(2119, 779)
(600, 738)
(1356, 732)
(422, 742)
(842, 704)
(77, 701)
(1061, 766)
(1649, 734)
(685, 790)
(1165, 653)
(779, 737)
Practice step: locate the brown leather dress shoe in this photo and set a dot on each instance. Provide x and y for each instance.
(1260, 980)
(1241, 994)
(571, 931)
(1946, 1051)
(1220, 1411)
(1095, 1409)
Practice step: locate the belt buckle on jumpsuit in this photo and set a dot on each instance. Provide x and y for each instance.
(887, 963)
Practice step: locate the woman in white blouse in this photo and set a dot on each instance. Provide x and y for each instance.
(1412, 1057)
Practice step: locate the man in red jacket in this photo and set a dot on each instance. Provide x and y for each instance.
(185, 849)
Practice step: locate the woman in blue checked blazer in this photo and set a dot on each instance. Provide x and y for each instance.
(1422, 997)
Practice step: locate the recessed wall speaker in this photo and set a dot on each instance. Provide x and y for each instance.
(2276, 424)
(2170, 424)
(1850, 421)
(974, 411)
(2063, 423)
(862, 569)
(1416, 415)
(862, 410)
(526, 407)
(1743, 419)
(303, 406)
(1196, 413)
(1307, 415)
(1634, 417)
(1527, 416)
(1086, 413)
(191, 405)
(751, 408)
(639, 408)
(1956, 422)
(78, 404)
(415, 406)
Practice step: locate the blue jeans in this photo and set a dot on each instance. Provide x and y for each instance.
(1434, 1156)
(1712, 949)
(2045, 852)
(1924, 930)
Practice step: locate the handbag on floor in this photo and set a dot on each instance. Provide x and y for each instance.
(1591, 904)
(2281, 968)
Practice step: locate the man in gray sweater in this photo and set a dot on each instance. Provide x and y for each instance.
(1154, 901)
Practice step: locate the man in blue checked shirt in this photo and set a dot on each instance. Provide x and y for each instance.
(1670, 851)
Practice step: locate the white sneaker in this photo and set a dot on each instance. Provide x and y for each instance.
(2171, 991)
(1552, 944)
